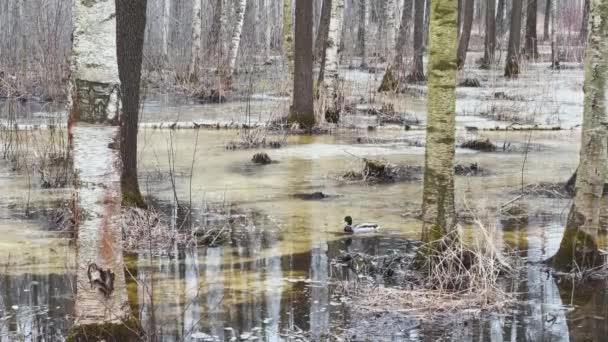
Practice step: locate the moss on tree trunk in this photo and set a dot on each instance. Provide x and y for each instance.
(438, 211)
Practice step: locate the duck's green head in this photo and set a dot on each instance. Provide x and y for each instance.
(348, 220)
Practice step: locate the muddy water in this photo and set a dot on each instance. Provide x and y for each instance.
(272, 280)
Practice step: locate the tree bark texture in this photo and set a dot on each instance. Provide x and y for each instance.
(303, 106)
(512, 62)
(438, 213)
(579, 246)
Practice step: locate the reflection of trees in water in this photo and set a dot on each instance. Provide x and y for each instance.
(43, 302)
(587, 320)
(215, 290)
(274, 288)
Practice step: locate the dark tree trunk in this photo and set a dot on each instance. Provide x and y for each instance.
(417, 72)
(459, 17)
(467, 24)
(427, 22)
(531, 46)
(500, 18)
(303, 106)
(547, 20)
(512, 62)
(404, 33)
(323, 28)
(490, 37)
(130, 29)
(585, 23)
(362, 32)
(216, 29)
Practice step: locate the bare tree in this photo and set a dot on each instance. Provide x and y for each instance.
(546, 33)
(323, 30)
(512, 62)
(438, 212)
(131, 26)
(490, 35)
(585, 22)
(463, 44)
(500, 18)
(404, 34)
(288, 37)
(329, 75)
(235, 42)
(417, 71)
(554, 46)
(303, 105)
(579, 247)
(362, 31)
(196, 40)
(531, 44)
(101, 302)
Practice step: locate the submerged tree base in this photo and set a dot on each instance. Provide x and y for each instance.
(389, 81)
(131, 195)
(577, 252)
(512, 69)
(110, 332)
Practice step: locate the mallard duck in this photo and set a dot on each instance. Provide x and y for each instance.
(358, 228)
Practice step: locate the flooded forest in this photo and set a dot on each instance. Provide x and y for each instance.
(303, 170)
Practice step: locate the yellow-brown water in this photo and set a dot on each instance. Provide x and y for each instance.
(276, 278)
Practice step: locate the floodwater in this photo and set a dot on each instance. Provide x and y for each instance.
(272, 280)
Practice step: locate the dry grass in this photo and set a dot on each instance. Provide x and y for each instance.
(456, 278)
(150, 230)
(381, 171)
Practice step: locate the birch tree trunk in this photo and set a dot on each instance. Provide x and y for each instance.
(417, 72)
(438, 213)
(490, 35)
(196, 40)
(166, 28)
(548, 5)
(554, 47)
(235, 42)
(331, 59)
(579, 246)
(390, 30)
(531, 44)
(463, 44)
(94, 101)
(303, 102)
(267, 8)
(512, 62)
(288, 37)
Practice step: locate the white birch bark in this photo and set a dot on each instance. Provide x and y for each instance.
(390, 29)
(554, 47)
(94, 100)
(333, 43)
(196, 39)
(166, 28)
(236, 34)
(267, 29)
(579, 244)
